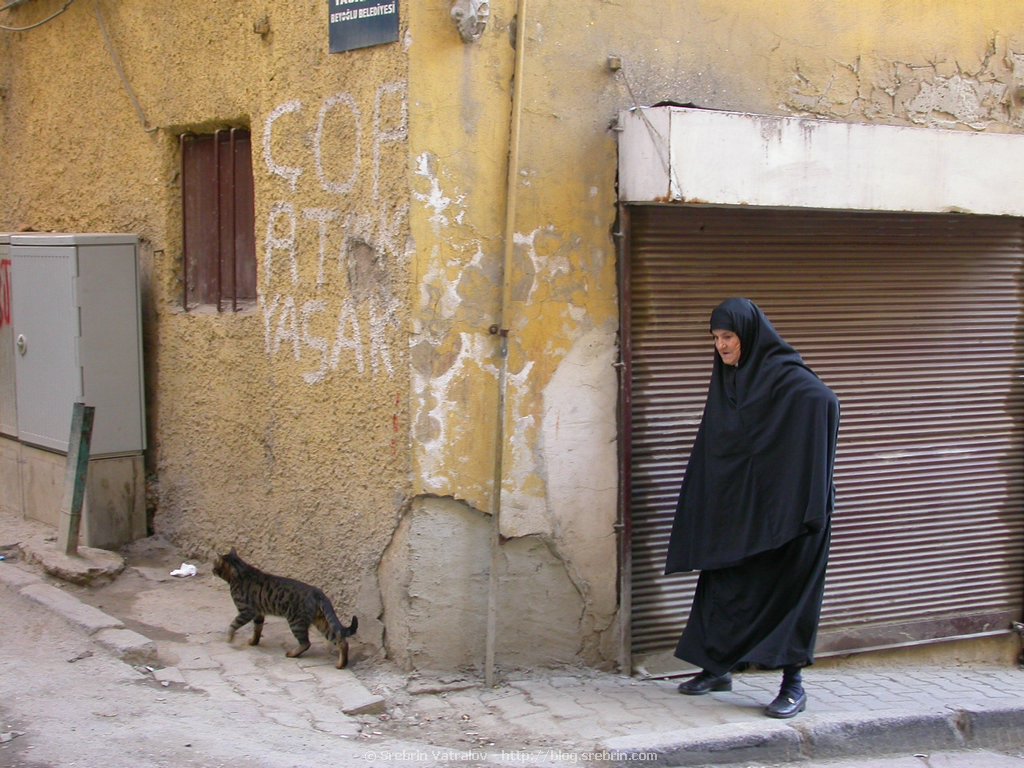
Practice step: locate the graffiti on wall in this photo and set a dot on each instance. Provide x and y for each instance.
(5, 292)
(323, 328)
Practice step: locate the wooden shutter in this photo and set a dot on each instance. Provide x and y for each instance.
(219, 219)
(915, 322)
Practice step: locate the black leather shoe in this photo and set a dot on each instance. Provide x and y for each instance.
(787, 704)
(705, 682)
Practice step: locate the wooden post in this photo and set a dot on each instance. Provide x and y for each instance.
(74, 477)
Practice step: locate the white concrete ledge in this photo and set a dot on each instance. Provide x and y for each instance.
(684, 155)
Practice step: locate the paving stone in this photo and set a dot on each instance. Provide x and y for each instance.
(252, 685)
(203, 678)
(565, 708)
(421, 687)
(290, 674)
(430, 706)
(346, 729)
(564, 681)
(330, 720)
(190, 657)
(515, 707)
(540, 722)
(237, 661)
(128, 645)
(290, 719)
(357, 700)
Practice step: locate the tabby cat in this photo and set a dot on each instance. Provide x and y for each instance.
(257, 594)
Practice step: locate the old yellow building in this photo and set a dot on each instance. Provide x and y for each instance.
(404, 318)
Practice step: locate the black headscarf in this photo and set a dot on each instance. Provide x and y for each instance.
(760, 471)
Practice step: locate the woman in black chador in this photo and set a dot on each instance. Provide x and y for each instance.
(754, 510)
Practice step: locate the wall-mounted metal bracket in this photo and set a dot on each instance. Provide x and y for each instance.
(470, 17)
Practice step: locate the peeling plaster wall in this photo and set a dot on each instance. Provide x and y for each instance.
(281, 429)
(559, 415)
(437, 569)
(945, 65)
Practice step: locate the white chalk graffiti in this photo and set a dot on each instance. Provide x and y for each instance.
(295, 317)
(290, 174)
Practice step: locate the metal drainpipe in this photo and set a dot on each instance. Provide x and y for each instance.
(500, 329)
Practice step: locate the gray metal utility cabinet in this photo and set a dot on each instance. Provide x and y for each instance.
(76, 335)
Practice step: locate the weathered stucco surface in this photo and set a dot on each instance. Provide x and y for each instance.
(280, 429)
(435, 605)
(344, 429)
(951, 67)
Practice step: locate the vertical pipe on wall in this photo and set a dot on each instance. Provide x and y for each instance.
(501, 332)
(624, 367)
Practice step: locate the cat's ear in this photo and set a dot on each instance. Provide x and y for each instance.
(232, 553)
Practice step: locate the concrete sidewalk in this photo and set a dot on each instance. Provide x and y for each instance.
(173, 629)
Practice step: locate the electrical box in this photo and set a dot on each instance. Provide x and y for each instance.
(78, 338)
(70, 331)
(8, 407)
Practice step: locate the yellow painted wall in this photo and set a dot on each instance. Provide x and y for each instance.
(942, 65)
(360, 396)
(282, 429)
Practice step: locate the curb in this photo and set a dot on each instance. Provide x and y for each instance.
(717, 745)
(129, 646)
(887, 733)
(999, 728)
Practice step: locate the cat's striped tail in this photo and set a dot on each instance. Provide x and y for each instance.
(336, 632)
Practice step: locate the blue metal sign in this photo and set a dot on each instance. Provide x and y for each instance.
(362, 23)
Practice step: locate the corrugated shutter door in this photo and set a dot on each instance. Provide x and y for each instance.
(914, 321)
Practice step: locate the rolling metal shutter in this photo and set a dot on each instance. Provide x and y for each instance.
(915, 322)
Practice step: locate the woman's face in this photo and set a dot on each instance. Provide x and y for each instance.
(727, 344)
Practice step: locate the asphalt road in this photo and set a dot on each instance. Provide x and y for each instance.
(965, 759)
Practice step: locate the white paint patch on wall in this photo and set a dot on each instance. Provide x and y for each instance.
(523, 511)
(438, 405)
(579, 443)
(435, 199)
(439, 295)
(546, 268)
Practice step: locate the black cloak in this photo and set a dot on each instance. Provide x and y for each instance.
(755, 505)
